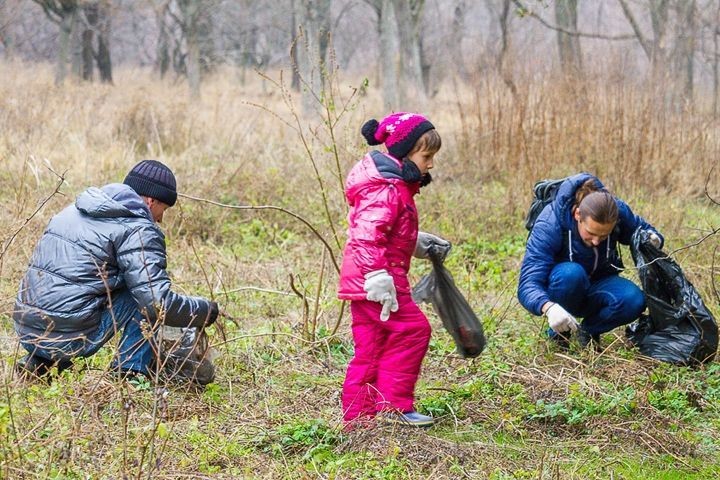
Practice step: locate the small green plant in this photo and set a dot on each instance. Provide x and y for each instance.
(673, 402)
(307, 436)
(578, 407)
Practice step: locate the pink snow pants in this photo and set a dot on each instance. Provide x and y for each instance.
(388, 355)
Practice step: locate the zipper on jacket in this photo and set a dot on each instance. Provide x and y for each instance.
(595, 251)
(607, 251)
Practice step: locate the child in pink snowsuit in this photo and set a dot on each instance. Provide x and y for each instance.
(390, 332)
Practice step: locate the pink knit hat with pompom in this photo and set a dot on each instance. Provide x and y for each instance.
(398, 131)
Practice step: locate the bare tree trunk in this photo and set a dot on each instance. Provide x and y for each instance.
(390, 56)
(568, 45)
(64, 14)
(162, 48)
(90, 12)
(66, 26)
(206, 45)
(658, 58)
(376, 5)
(190, 11)
(455, 39)
(504, 69)
(101, 26)
(408, 17)
(654, 48)
(685, 50)
(6, 38)
(716, 61)
(295, 83)
(76, 43)
(313, 16)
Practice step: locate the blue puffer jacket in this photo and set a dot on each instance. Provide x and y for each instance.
(104, 243)
(555, 239)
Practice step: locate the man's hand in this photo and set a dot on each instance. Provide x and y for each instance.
(212, 314)
(560, 320)
(380, 288)
(425, 241)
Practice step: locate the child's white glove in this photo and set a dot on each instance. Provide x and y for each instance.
(380, 288)
(427, 240)
(560, 319)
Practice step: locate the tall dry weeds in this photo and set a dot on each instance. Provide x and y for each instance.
(225, 148)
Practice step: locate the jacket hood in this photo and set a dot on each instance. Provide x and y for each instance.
(376, 168)
(112, 201)
(565, 198)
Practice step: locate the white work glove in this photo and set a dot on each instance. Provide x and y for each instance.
(560, 320)
(654, 239)
(427, 240)
(380, 288)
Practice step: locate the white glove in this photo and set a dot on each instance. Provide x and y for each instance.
(655, 240)
(427, 240)
(380, 288)
(560, 320)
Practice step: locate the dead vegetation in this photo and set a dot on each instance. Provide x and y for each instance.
(518, 411)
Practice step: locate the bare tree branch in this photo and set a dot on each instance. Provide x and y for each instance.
(530, 13)
(707, 182)
(712, 276)
(9, 242)
(270, 207)
(636, 28)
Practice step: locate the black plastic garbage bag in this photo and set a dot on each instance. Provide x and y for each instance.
(185, 355)
(679, 328)
(439, 289)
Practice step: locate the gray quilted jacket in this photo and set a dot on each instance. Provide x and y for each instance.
(104, 243)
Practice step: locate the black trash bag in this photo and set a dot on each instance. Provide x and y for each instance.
(679, 328)
(439, 289)
(185, 355)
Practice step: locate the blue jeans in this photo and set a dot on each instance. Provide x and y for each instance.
(134, 353)
(603, 304)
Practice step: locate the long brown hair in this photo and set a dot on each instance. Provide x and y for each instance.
(597, 204)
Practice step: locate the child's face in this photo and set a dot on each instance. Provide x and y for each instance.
(423, 159)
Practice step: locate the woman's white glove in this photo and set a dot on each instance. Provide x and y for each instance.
(427, 240)
(380, 288)
(560, 319)
(655, 240)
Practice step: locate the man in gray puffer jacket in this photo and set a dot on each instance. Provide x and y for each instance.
(100, 268)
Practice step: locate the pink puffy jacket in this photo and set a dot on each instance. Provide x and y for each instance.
(383, 224)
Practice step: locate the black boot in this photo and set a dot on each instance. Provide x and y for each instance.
(33, 366)
(560, 340)
(586, 340)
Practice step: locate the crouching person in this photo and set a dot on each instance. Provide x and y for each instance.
(571, 266)
(100, 269)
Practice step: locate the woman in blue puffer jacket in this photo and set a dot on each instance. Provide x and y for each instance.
(571, 266)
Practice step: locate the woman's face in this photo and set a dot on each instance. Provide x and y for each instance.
(592, 232)
(423, 159)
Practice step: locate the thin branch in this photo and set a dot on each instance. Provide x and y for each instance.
(712, 276)
(254, 289)
(27, 220)
(636, 28)
(707, 182)
(527, 11)
(670, 255)
(269, 207)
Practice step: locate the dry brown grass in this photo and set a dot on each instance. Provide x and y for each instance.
(235, 146)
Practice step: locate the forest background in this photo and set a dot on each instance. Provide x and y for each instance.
(257, 105)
